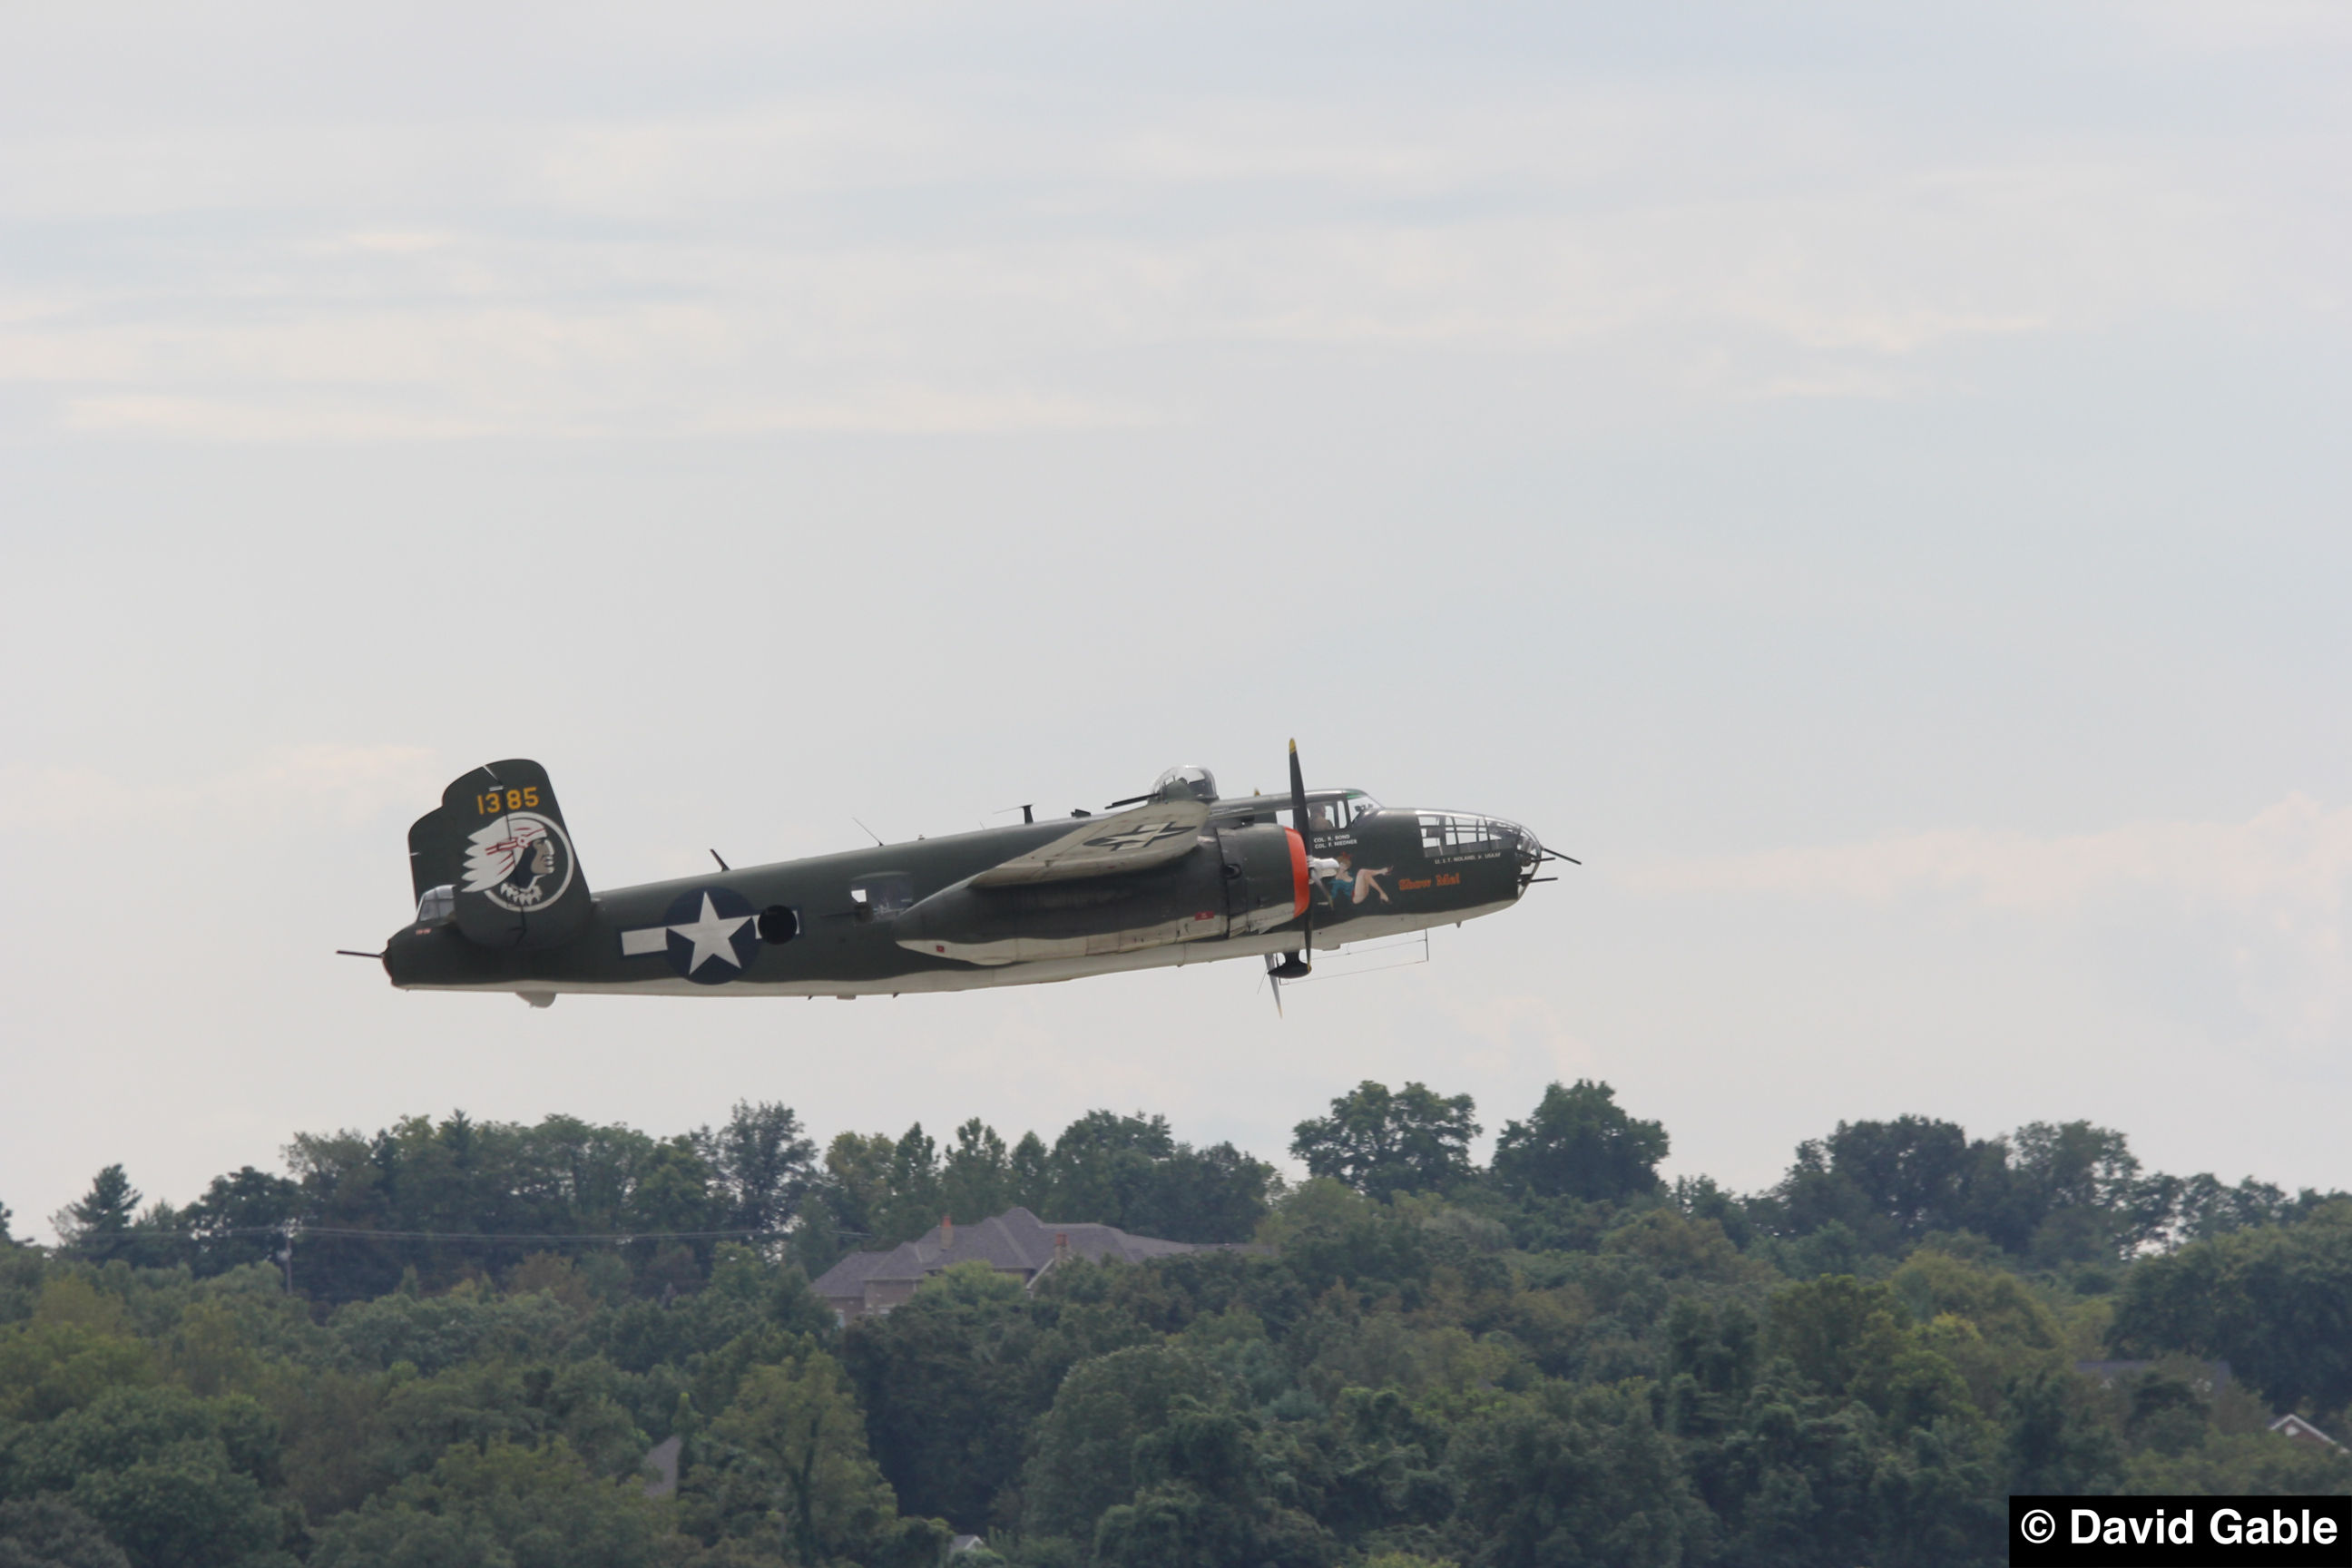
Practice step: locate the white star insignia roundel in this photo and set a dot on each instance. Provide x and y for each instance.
(713, 936)
(702, 927)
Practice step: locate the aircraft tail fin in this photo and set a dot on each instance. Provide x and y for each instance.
(498, 840)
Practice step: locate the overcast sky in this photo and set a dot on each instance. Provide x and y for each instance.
(1873, 483)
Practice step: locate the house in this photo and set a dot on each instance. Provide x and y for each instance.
(1016, 1242)
(2301, 1431)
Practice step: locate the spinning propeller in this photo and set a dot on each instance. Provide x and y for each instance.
(1299, 965)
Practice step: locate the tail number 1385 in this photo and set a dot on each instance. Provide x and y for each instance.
(497, 801)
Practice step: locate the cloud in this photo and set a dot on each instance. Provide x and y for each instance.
(309, 782)
(2264, 900)
(1519, 1038)
(2249, 25)
(2296, 854)
(934, 263)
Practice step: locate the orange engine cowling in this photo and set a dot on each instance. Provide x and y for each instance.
(1265, 877)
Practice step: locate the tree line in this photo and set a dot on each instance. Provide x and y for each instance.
(458, 1199)
(1553, 1356)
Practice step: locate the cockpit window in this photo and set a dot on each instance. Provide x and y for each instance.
(1332, 814)
(1185, 783)
(437, 904)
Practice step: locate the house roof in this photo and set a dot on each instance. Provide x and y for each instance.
(2296, 1426)
(1015, 1241)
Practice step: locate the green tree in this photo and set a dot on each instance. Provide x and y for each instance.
(1844, 1333)
(403, 1535)
(1380, 1143)
(1892, 1180)
(1103, 1162)
(977, 1179)
(674, 1190)
(802, 1442)
(1130, 1172)
(762, 1165)
(1785, 1469)
(60, 1360)
(98, 1224)
(2199, 1207)
(51, 1533)
(945, 1383)
(911, 1194)
(1083, 1449)
(845, 1205)
(2252, 1464)
(2078, 1188)
(1030, 1174)
(461, 1177)
(2275, 1302)
(1936, 1500)
(499, 1506)
(1566, 1475)
(2061, 1192)
(1211, 1194)
(2053, 1440)
(176, 1481)
(1327, 1232)
(240, 1218)
(1127, 1171)
(1579, 1143)
(1203, 1498)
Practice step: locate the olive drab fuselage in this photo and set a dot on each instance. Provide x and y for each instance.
(1184, 878)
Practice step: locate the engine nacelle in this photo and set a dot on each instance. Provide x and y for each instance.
(1235, 881)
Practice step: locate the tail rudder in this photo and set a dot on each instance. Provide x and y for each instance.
(498, 842)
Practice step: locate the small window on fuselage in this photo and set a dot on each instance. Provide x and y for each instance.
(437, 904)
(884, 896)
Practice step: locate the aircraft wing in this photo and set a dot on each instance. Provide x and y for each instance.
(1133, 840)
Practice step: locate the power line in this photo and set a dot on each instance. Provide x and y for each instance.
(349, 1232)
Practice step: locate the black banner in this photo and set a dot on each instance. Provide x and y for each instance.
(2202, 1531)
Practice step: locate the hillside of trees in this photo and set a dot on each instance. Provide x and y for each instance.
(451, 1343)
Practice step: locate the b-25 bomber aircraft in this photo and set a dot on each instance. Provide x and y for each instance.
(1177, 876)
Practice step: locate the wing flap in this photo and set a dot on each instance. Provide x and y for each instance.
(1134, 840)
